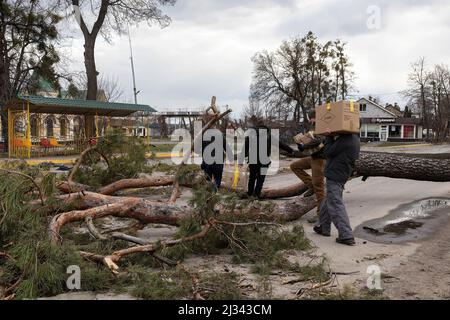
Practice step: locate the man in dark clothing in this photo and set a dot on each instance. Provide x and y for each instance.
(341, 152)
(258, 150)
(212, 165)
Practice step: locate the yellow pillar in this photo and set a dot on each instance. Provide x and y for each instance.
(10, 132)
(96, 125)
(28, 131)
(148, 131)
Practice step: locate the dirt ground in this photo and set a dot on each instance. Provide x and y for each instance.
(426, 273)
(411, 270)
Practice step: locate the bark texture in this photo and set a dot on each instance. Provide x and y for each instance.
(404, 166)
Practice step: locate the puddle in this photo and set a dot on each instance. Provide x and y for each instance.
(409, 222)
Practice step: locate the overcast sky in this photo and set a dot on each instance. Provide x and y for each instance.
(208, 46)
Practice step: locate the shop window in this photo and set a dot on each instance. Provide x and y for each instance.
(408, 132)
(395, 131)
(373, 131)
(363, 131)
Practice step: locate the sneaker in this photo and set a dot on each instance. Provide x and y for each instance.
(313, 219)
(348, 242)
(318, 230)
(308, 193)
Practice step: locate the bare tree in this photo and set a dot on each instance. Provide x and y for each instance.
(111, 87)
(112, 17)
(342, 69)
(440, 82)
(253, 109)
(429, 94)
(298, 75)
(419, 82)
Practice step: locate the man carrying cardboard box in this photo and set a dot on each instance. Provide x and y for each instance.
(341, 151)
(315, 162)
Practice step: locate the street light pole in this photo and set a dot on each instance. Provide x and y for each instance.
(135, 92)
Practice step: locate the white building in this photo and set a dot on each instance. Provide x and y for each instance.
(379, 124)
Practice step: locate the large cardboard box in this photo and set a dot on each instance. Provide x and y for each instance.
(339, 117)
(235, 177)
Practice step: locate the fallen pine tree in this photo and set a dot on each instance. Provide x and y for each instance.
(423, 167)
(146, 211)
(82, 202)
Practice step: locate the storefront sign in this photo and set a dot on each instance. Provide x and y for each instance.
(383, 120)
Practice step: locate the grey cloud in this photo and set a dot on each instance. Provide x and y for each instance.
(206, 50)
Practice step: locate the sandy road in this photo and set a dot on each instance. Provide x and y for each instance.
(420, 268)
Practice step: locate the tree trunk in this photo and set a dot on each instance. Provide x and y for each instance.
(136, 183)
(95, 205)
(425, 167)
(91, 71)
(145, 211)
(285, 192)
(92, 87)
(5, 87)
(4, 131)
(421, 167)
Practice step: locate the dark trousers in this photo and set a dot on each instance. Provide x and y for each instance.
(256, 179)
(213, 171)
(333, 211)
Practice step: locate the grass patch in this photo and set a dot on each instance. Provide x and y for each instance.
(348, 293)
(178, 284)
(166, 147)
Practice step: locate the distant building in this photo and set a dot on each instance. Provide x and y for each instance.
(395, 109)
(69, 127)
(387, 124)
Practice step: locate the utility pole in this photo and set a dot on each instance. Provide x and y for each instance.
(135, 92)
(132, 68)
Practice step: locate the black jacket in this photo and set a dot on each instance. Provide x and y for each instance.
(341, 152)
(206, 143)
(263, 162)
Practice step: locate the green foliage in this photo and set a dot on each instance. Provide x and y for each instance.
(29, 32)
(38, 266)
(264, 288)
(262, 244)
(177, 284)
(41, 266)
(317, 272)
(348, 292)
(166, 147)
(126, 157)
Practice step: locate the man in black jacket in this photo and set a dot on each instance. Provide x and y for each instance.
(213, 160)
(258, 150)
(341, 152)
